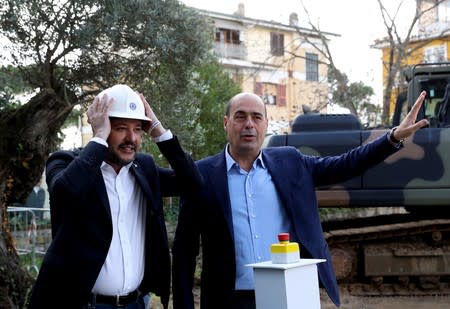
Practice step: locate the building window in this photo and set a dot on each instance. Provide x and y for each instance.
(227, 36)
(271, 94)
(276, 44)
(312, 67)
(269, 98)
(436, 53)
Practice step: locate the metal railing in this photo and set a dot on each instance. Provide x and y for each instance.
(226, 50)
(30, 229)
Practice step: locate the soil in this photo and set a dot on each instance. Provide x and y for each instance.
(354, 302)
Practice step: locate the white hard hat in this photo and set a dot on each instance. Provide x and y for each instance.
(127, 103)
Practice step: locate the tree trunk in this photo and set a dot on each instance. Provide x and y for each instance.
(28, 135)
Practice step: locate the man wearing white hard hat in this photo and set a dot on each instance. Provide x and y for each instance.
(109, 246)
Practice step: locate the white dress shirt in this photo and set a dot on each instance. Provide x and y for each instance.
(124, 266)
(123, 269)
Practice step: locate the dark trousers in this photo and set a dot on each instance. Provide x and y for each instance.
(243, 299)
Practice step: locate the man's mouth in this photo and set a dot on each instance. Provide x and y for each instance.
(248, 136)
(128, 147)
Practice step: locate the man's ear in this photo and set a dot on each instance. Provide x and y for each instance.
(225, 122)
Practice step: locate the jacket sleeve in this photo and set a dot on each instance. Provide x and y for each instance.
(333, 169)
(183, 178)
(73, 172)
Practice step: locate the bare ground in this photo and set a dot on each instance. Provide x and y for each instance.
(356, 302)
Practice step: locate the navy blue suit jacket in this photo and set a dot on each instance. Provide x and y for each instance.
(209, 218)
(82, 226)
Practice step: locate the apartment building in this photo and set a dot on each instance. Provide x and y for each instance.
(429, 44)
(281, 62)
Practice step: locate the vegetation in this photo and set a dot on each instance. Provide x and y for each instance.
(355, 96)
(400, 46)
(352, 95)
(60, 54)
(210, 89)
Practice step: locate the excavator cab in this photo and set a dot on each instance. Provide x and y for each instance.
(434, 78)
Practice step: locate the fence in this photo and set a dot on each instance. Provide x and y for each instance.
(30, 229)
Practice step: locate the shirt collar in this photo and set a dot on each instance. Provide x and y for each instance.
(231, 162)
(105, 166)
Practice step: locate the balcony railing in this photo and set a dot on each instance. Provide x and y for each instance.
(230, 51)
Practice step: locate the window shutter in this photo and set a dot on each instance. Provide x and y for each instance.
(281, 95)
(258, 89)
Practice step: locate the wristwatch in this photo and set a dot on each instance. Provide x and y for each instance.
(397, 143)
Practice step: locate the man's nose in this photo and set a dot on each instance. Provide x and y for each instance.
(132, 135)
(249, 123)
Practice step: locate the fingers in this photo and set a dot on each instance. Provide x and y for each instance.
(98, 116)
(409, 125)
(104, 104)
(155, 129)
(414, 127)
(92, 108)
(148, 110)
(418, 104)
(101, 105)
(420, 124)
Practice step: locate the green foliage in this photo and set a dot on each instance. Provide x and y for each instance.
(360, 94)
(171, 210)
(11, 84)
(200, 133)
(354, 96)
(31, 263)
(74, 118)
(214, 88)
(80, 47)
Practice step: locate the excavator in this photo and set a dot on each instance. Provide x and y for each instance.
(400, 253)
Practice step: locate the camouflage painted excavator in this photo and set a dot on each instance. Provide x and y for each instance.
(396, 254)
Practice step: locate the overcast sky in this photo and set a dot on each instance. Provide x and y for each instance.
(357, 21)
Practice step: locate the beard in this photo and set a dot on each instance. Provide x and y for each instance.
(113, 158)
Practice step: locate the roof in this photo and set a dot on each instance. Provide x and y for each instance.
(262, 23)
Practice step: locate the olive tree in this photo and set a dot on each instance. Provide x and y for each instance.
(64, 52)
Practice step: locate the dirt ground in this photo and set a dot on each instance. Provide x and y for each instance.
(353, 302)
(397, 302)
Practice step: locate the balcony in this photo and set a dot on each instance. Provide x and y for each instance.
(230, 51)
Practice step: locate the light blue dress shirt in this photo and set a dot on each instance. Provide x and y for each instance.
(258, 217)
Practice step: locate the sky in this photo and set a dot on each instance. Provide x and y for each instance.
(358, 22)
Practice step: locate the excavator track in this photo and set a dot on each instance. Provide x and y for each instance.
(395, 255)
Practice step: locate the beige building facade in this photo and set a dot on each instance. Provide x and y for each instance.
(282, 63)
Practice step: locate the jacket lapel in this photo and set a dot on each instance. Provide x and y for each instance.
(277, 168)
(141, 179)
(218, 177)
(103, 195)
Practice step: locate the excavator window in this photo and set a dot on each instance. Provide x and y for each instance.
(437, 93)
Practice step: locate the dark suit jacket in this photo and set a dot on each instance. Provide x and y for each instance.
(82, 226)
(295, 177)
